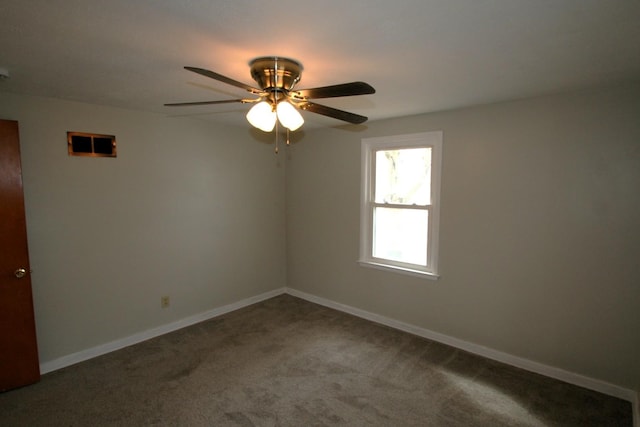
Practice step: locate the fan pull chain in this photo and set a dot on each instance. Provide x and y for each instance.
(276, 137)
(288, 143)
(275, 105)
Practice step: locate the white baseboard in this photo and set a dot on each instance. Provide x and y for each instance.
(529, 365)
(99, 350)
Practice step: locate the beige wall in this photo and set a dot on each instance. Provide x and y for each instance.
(540, 230)
(187, 209)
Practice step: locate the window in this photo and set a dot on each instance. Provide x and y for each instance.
(399, 203)
(91, 145)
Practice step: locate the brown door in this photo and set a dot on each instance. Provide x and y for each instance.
(18, 349)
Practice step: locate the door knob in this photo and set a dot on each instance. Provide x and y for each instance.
(20, 273)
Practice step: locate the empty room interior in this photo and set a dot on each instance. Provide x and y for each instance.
(187, 265)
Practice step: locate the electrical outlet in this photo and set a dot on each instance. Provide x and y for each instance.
(164, 302)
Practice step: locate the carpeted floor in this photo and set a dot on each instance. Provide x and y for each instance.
(288, 362)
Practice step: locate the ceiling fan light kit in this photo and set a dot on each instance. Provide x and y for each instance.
(278, 101)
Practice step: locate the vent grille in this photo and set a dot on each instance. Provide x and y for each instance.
(91, 144)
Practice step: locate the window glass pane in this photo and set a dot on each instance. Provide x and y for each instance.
(401, 235)
(403, 176)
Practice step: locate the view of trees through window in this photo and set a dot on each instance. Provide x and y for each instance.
(403, 176)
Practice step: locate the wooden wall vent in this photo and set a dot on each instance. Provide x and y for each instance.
(91, 144)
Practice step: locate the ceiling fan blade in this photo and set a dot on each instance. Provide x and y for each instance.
(224, 79)
(226, 101)
(345, 89)
(333, 112)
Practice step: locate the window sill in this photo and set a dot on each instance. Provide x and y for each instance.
(400, 270)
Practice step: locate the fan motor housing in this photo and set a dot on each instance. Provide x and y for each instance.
(274, 73)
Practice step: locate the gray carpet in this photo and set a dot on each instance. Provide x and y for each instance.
(288, 362)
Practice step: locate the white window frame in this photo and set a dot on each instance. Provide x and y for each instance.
(369, 147)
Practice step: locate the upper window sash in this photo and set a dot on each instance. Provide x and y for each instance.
(402, 175)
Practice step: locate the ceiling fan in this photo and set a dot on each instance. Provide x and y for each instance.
(277, 99)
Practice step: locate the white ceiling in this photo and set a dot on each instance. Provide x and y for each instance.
(420, 55)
